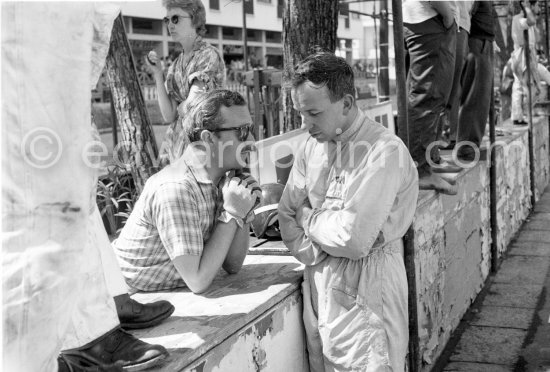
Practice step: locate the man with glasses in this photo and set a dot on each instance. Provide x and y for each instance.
(193, 216)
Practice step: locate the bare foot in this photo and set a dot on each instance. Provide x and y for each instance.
(447, 167)
(437, 183)
(448, 177)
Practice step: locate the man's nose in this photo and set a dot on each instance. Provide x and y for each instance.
(306, 124)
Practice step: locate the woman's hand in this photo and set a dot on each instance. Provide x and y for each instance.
(154, 65)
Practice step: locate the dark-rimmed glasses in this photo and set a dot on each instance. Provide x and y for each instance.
(243, 131)
(174, 19)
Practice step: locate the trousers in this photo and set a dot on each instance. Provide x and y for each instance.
(432, 50)
(476, 91)
(50, 274)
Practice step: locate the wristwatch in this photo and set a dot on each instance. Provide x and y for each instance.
(226, 217)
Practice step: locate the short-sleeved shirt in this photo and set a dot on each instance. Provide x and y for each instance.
(174, 215)
(204, 64)
(464, 8)
(415, 11)
(519, 24)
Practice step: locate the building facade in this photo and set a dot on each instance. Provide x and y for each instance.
(145, 29)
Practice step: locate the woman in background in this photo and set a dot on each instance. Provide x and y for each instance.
(199, 68)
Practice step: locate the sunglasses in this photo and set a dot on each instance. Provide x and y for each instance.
(243, 131)
(174, 19)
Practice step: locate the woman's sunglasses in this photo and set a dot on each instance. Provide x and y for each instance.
(243, 131)
(174, 19)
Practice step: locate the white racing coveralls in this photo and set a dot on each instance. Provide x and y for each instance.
(363, 189)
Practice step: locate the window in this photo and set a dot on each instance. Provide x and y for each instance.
(280, 8)
(344, 11)
(249, 6)
(231, 33)
(146, 26)
(215, 4)
(265, 1)
(211, 32)
(253, 35)
(273, 37)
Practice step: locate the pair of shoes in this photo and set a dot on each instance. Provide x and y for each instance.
(435, 182)
(520, 122)
(446, 167)
(134, 315)
(119, 348)
(72, 363)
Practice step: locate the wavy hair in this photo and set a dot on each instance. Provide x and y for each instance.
(196, 10)
(325, 69)
(203, 111)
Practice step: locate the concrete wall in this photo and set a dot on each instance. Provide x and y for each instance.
(513, 187)
(542, 165)
(452, 256)
(453, 235)
(273, 342)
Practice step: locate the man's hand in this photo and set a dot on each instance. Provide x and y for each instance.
(448, 22)
(239, 198)
(252, 184)
(443, 8)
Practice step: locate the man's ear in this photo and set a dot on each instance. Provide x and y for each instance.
(348, 102)
(206, 136)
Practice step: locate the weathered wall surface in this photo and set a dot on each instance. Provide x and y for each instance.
(541, 146)
(452, 243)
(273, 342)
(513, 186)
(453, 235)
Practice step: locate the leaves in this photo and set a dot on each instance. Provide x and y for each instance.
(116, 197)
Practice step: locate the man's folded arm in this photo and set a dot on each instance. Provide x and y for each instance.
(294, 196)
(352, 231)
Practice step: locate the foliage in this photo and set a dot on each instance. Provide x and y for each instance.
(116, 197)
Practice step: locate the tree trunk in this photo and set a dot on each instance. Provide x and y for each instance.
(383, 45)
(306, 24)
(137, 133)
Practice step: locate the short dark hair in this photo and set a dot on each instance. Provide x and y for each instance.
(324, 68)
(203, 111)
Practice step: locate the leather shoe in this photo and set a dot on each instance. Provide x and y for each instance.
(120, 348)
(73, 363)
(134, 315)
